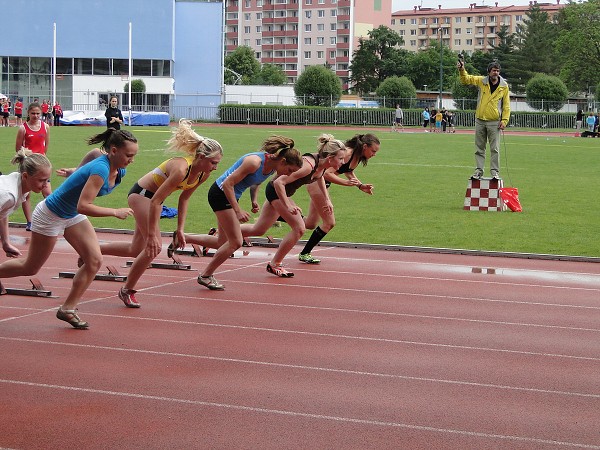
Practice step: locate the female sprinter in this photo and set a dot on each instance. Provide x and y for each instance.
(277, 155)
(33, 175)
(360, 149)
(183, 173)
(65, 210)
(330, 155)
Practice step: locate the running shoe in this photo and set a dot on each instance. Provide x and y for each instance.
(128, 297)
(211, 283)
(477, 174)
(308, 258)
(279, 270)
(70, 316)
(495, 174)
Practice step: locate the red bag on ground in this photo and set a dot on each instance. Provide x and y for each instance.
(510, 197)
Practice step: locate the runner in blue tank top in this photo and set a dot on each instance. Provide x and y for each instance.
(277, 155)
(65, 212)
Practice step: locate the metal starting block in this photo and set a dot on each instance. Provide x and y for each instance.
(112, 275)
(177, 264)
(36, 291)
(196, 251)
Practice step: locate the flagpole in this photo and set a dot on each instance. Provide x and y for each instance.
(54, 67)
(130, 73)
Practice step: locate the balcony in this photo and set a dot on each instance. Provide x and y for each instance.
(343, 18)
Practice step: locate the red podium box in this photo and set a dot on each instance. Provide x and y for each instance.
(484, 195)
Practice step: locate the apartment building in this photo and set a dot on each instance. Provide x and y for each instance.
(295, 34)
(474, 27)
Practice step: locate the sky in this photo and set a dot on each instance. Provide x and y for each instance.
(410, 4)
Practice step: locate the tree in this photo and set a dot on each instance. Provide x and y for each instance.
(376, 59)
(137, 86)
(535, 50)
(578, 44)
(546, 92)
(397, 90)
(243, 62)
(318, 86)
(270, 75)
(464, 95)
(424, 67)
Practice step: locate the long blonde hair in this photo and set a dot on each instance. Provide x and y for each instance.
(185, 139)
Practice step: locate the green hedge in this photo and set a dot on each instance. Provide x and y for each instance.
(304, 115)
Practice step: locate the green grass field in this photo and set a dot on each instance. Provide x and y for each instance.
(420, 181)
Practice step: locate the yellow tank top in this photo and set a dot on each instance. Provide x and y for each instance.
(159, 175)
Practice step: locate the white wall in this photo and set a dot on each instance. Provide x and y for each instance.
(260, 95)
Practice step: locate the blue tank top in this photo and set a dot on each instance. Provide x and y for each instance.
(63, 201)
(250, 180)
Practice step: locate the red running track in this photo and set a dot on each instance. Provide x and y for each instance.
(371, 349)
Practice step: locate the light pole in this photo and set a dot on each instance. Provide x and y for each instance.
(441, 66)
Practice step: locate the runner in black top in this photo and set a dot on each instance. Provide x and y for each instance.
(330, 156)
(360, 149)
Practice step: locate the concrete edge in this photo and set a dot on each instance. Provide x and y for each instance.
(266, 242)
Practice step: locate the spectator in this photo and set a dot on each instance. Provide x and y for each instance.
(19, 112)
(57, 112)
(113, 115)
(579, 120)
(426, 116)
(398, 119)
(591, 122)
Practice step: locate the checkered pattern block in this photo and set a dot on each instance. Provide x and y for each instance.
(484, 195)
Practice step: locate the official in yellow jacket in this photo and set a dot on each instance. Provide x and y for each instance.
(491, 116)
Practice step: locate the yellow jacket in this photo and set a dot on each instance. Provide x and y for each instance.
(490, 106)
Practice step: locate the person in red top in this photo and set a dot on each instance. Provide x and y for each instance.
(45, 110)
(35, 136)
(5, 112)
(19, 112)
(58, 113)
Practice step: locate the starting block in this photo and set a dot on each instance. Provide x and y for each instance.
(484, 195)
(112, 275)
(196, 251)
(36, 291)
(177, 264)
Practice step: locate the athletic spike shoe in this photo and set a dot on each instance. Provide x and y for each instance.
(211, 283)
(308, 258)
(279, 270)
(128, 297)
(70, 316)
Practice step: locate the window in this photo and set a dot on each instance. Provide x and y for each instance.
(247, 30)
(258, 42)
(321, 13)
(259, 16)
(308, 14)
(413, 43)
(64, 66)
(334, 13)
(413, 21)
(401, 32)
(307, 41)
(320, 40)
(308, 2)
(83, 66)
(321, 27)
(469, 41)
(413, 32)
(469, 19)
(332, 54)
(469, 30)
(259, 29)
(457, 19)
(102, 66)
(333, 40)
(320, 55)
(333, 26)
(307, 55)
(307, 27)
(161, 68)
(456, 41)
(457, 30)
(423, 21)
(402, 21)
(247, 16)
